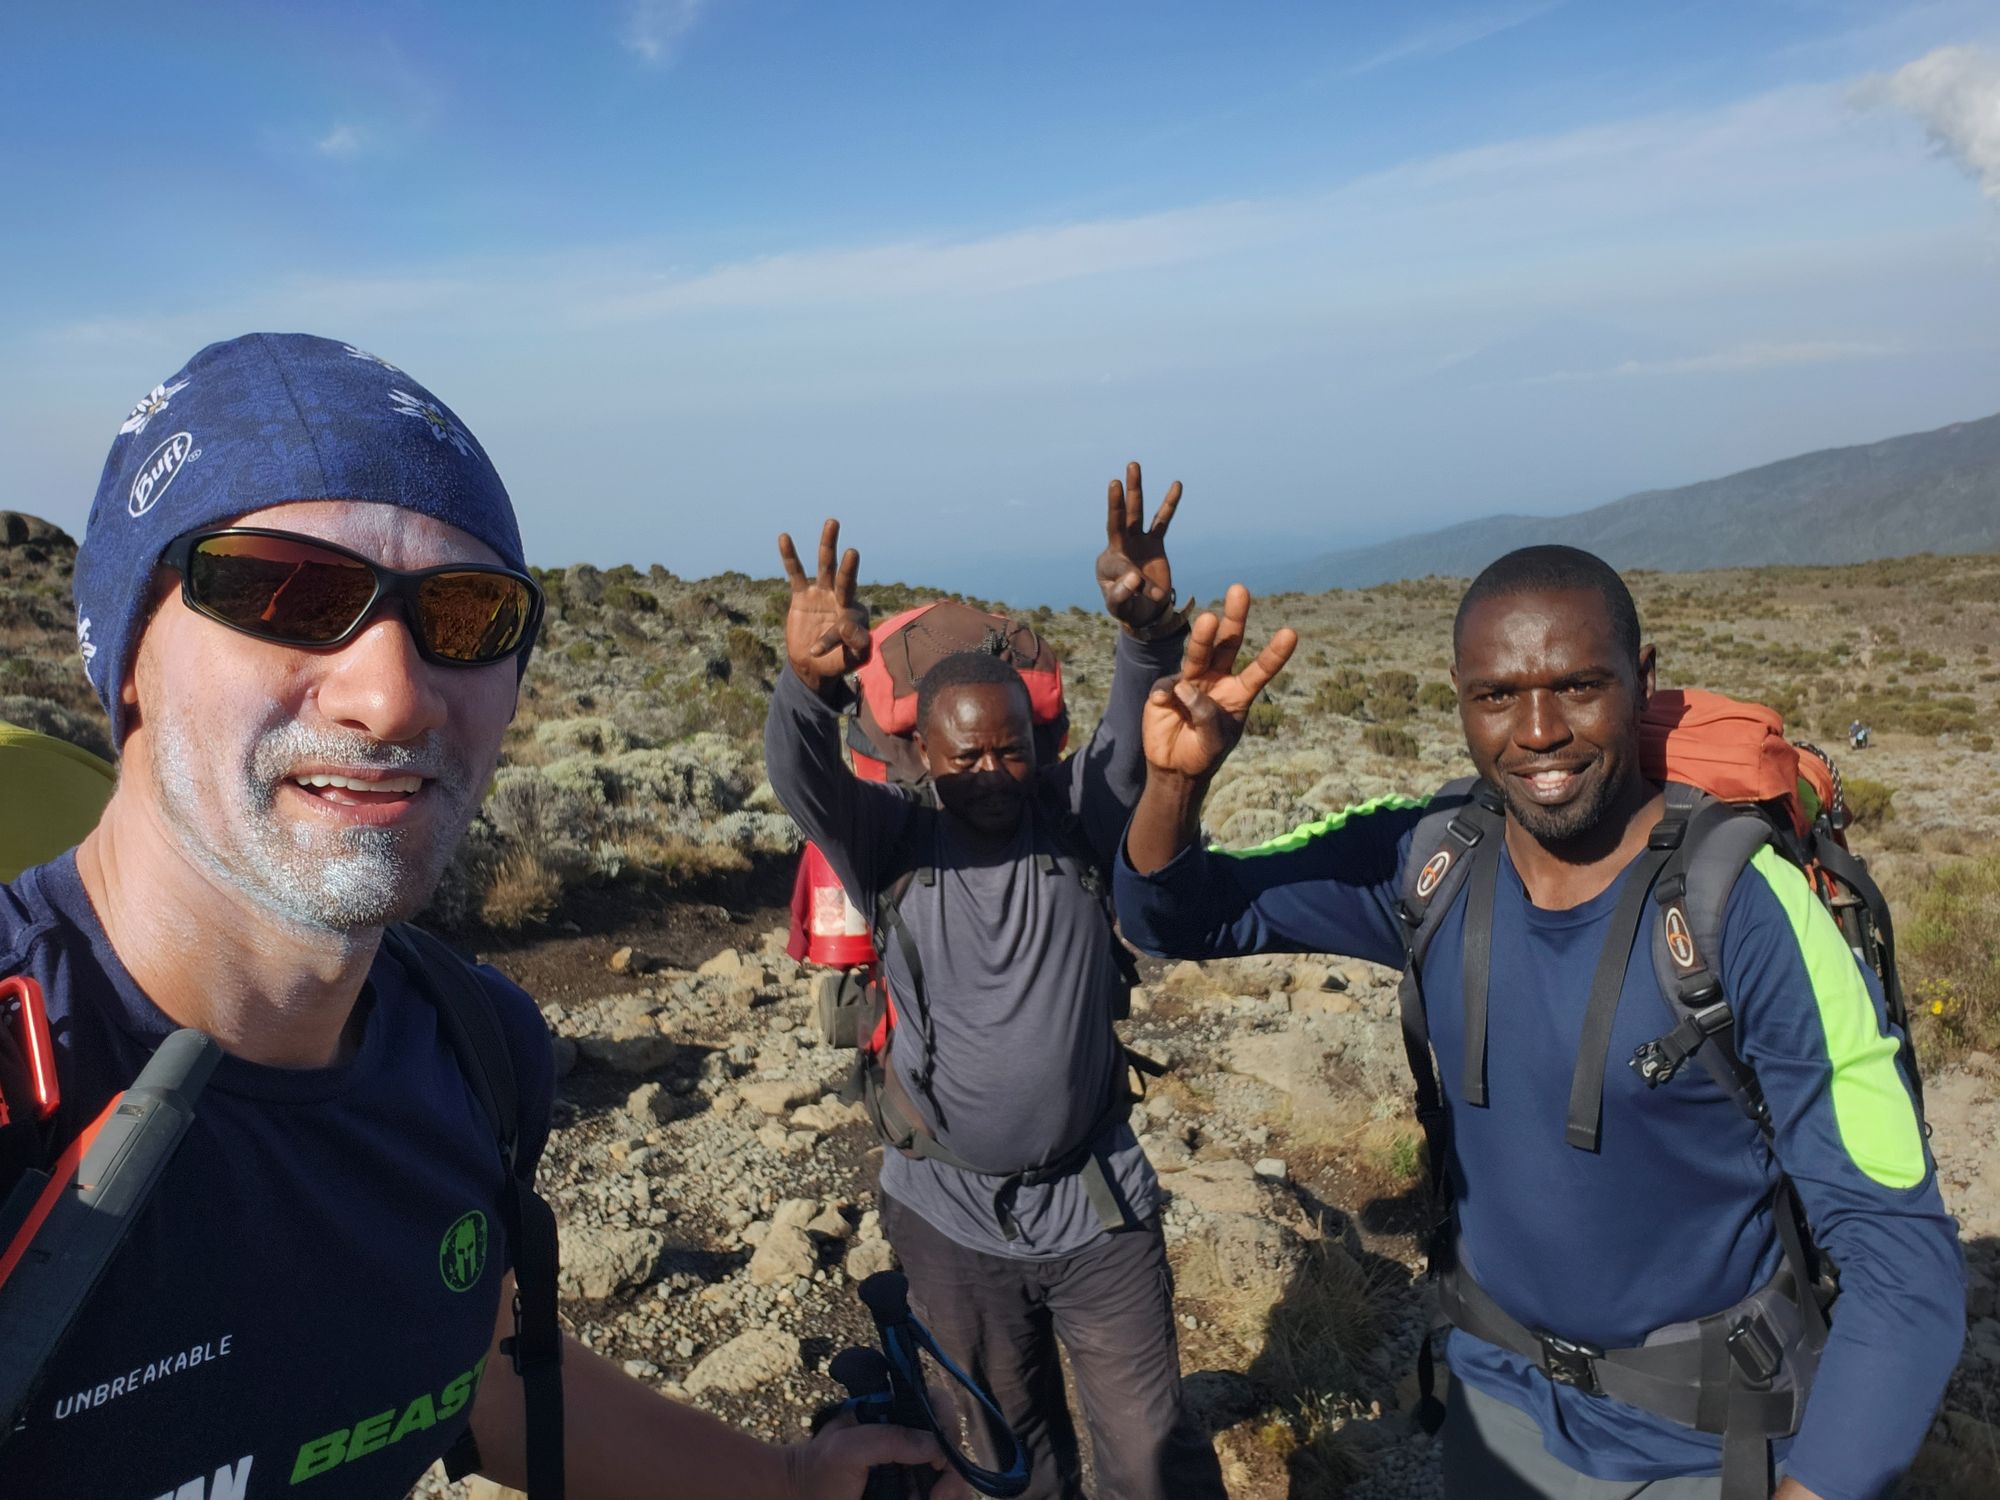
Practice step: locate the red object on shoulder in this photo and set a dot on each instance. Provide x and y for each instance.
(836, 931)
(1732, 750)
(909, 644)
(24, 1014)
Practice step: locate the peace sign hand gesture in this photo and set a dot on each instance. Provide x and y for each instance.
(1193, 721)
(826, 631)
(1132, 569)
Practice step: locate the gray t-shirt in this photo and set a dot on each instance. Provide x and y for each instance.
(1018, 966)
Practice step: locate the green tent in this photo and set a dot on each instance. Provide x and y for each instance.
(50, 796)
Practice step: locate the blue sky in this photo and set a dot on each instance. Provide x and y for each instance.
(696, 270)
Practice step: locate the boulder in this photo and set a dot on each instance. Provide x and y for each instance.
(786, 1254)
(600, 1262)
(867, 1257)
(747, 1361)
(1215, 1399)
(1220, 1187)
(631, 1047)
(1240, 1256)
(777, 1096)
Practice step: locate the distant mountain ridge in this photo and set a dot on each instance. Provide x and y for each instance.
(1924, 492)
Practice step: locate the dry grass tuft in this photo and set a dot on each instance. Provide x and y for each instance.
(1949, 934)
(524, 892)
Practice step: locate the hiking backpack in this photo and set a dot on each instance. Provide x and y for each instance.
(467, 1018)
(852, 1001)
(1733, 785)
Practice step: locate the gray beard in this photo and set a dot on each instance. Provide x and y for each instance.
(322, 879)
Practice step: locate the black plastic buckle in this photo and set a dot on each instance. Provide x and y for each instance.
(1667, 833)
(1710, 1018)
(1755, 1352)
(1467, 834)
(1655, 1062)
(1569, 1363)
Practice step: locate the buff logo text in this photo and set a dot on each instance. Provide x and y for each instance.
(162, 466)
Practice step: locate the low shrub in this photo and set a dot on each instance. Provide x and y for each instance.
(1869, 802)
(1438, 697)
(1265, 719)
(1334, 698)
(1393, 743)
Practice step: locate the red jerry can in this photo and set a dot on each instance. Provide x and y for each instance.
(836, 932)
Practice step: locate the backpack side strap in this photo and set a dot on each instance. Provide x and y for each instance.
(1692, 895)
(1464, 815)
(473, 1030)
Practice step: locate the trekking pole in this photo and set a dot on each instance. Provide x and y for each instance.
(864, 1375)
(905, 1341)
(61, 1228)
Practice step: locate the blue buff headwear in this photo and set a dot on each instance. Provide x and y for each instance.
(258, 421)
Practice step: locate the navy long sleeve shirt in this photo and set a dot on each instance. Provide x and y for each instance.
(1671, 1218)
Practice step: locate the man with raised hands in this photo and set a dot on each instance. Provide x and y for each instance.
(1637, 1263)
(1018, 1203)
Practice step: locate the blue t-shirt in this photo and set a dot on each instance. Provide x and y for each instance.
(1671, 1218)
(304, 1306)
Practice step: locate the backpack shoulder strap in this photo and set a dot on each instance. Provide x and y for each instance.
(1460, 817)
(914, 861)
(473, 1029)
(1692, 895)
(470, 1026)
(1463, 816)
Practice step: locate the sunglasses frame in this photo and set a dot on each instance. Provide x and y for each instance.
(392, 585)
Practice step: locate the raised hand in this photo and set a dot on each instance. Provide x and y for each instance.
(826, 631)
(1193, 721)
(1132, 569)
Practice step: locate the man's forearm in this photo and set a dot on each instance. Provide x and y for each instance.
(1166, 821)
(625, 1441)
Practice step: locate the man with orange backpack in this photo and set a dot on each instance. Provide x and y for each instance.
(1724, 1263)
(1014, 1192)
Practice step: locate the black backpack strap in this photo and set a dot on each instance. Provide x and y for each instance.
(1584, 1125)
(1481, 883)
(473, 1029)
(1463, 815)
(1692, 894)
(912, 868)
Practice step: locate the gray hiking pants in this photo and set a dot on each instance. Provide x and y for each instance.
(1111, 1307)
(1493, 1451)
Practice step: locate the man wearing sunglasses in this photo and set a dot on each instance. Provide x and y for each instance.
(302, 599)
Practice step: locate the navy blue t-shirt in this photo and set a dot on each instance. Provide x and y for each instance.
(1670, 1218)
(305, 1305)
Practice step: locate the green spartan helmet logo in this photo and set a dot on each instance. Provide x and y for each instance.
(462, 1256)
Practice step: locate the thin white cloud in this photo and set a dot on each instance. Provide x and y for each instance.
(340, 143)
(1955, 93)
(916, 269)
(653, 30)
(1449, 36)
(1742, 357)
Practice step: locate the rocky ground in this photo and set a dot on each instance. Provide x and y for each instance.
(717, 1202)
(717, 1198)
